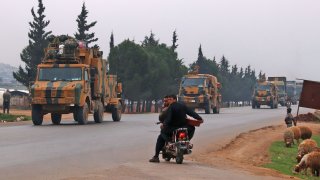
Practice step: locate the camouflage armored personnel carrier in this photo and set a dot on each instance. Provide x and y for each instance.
(73, 78)
(265, 93)
(200, 91)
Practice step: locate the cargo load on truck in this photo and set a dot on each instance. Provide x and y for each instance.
(73, 78)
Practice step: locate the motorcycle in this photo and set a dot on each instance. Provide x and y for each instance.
(179, 145)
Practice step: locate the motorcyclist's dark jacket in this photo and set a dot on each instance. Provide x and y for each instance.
(177, 114)
(163, 114)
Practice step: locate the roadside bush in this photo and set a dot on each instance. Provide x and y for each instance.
(13, 118)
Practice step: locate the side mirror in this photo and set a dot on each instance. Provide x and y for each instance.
(219, 85)
(31, 83)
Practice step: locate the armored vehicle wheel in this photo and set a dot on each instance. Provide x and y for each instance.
(272, 105)
(75, 116)
(253, 104)
(179, 158)
(98, 115)
(82, 114)
(56, 118)
(215, 110)
(207, 108)
(116, 113)
(37, 115)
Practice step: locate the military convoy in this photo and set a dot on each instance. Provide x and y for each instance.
(265, 93)
(73, 78)
(200, 91)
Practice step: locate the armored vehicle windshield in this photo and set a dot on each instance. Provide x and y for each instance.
(263, 87)
(60, 74)
(193, 82)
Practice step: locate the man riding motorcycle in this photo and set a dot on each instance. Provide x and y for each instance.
(175, 118)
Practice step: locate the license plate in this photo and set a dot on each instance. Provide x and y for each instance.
(193, 100)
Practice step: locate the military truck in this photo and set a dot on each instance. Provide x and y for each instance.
(200, 91)
(265, 93)
(73, 78)
(281, 83)
(292, 92)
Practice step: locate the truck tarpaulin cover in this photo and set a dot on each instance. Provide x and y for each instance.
(310, 95)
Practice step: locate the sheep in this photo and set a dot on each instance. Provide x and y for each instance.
(312, 161)
(306, 132)
(288, 137)
(305, 147)
(296, 132)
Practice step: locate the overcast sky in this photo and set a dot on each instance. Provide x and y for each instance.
(279, 37)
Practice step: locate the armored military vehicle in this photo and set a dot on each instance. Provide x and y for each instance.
(200, 91)
(265, 93)
(73, 78)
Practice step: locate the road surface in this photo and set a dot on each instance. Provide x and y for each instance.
(119, 150)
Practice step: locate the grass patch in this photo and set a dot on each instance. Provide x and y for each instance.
(13, 118)
(283, 159)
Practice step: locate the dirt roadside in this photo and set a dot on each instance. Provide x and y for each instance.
(246, 153)
(249, 151)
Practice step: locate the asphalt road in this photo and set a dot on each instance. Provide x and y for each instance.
(71, 150)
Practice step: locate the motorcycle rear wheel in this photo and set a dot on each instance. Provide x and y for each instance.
(179, 158)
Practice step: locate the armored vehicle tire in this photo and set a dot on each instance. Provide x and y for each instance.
(56, 118)
(216, 110)
(179, 158)
(75, 116)
(116, 112)
(82, 114)
(253, 103)
(272, 105)
(37, 116)
(207, 108)
(98, 115)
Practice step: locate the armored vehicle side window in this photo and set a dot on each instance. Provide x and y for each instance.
(86, 78)
(60, 74)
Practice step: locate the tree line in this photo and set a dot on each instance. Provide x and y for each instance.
(148, 70)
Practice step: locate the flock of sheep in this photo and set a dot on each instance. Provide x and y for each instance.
(308, 150)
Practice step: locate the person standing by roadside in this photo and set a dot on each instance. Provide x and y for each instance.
(289, 118)
(6, 101)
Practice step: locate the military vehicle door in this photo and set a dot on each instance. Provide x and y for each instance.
(86, 81)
